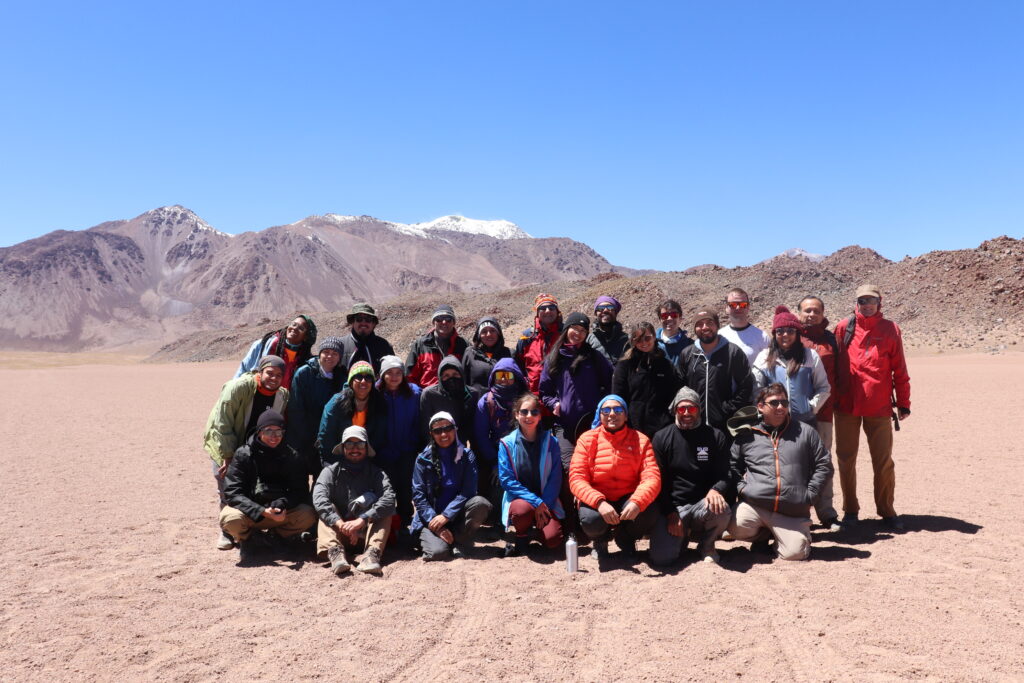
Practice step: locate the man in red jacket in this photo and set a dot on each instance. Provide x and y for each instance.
(871, 369)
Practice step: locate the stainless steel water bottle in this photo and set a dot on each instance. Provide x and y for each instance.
(572, 558)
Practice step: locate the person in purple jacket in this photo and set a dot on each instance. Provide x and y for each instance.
(574, 379)
(495, 419)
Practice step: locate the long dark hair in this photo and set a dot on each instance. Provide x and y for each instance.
(635, 332)
(555, 361)
(797, 350)
(305, 351)
(375, 403)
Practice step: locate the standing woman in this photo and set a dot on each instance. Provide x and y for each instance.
(793, 365)
(647, 380)
(312, 387)
(294, 344)
(404, 441)
(530, 471)
(488, 348)
(358, 404)
(574, 378)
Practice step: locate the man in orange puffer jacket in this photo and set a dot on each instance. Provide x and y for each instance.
(616, 478)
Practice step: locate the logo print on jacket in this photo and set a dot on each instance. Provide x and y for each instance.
(702, 453)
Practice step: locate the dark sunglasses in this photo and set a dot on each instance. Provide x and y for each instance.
(444, 319)
(612, 409)
(605, 307)
(547, 307)
(438, 431)
(867, 300)
(786, 330)
(529, 412)
(360, 318)
(778, 403)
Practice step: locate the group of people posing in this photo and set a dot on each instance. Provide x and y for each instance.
(582, 428)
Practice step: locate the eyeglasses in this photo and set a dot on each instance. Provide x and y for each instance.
(738, 304)
(444, 319)
(529, 412)
(360, 318)
(438, 431)
(867, 300)
(272, 432)
(608, 410)
(504, 376)
(687, 410)
(357, 445)
(604, 307)
(778, 403)
(547, 307)
(669, 314)
(785, 330)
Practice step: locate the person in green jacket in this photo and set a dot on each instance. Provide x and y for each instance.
(241, 402)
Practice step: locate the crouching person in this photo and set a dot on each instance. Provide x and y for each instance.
(444, 480)
(780, 467)
(355, 502)
(694, 461)
(265, 488)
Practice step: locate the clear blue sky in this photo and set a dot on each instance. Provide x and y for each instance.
(663, 134)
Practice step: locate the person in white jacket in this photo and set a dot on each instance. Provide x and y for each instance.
(799, 369)
(793, 365)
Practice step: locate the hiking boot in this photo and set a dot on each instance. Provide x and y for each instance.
(850, 521)
(225, 542)
(517, 547)
(370, 564)
(894, 523)
(628, 548)
(832, 524)
(764, 546)
(711, 557)
(458, 552)
(336, 556)
(601, 550)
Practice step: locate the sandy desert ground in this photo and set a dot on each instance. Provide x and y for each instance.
(110, 572)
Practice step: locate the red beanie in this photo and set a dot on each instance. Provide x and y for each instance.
(783, 318)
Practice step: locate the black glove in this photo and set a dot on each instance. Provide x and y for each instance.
(280, 504)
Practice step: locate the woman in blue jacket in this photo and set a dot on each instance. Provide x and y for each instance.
(448, 511)
(312, 387)
(398, 454)
(529, 468)
(794, 366)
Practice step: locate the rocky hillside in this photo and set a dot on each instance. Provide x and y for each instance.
(943, 300)
(167, 272)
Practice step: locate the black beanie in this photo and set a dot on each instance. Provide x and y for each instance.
(269, 418)
(578, 319)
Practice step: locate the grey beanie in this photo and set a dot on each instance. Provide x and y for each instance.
(684, 394)
(390, 363)
(270, 362)
(443, 309)
(332, 343)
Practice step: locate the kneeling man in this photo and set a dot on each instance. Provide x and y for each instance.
(355, 502)
(780, 468)
(694, 462)
(265, 487)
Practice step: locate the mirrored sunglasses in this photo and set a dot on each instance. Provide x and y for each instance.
(739, 304)
(687, 410)
(607, 410)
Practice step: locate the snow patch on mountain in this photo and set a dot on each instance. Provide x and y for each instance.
(797, 252)
(499, 229)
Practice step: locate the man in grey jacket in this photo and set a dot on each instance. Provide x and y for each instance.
(355, 502)
(780, 468)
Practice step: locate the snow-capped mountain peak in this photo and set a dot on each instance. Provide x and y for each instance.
(797, 252)
(503, 230)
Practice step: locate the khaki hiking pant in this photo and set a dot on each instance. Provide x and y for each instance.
(374, 534)
(792, 534)
(823, 506)
(239, 525)
(878, 431)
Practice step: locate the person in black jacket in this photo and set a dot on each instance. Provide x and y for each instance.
(716, 369)
(265, 487)
(695, 483)
(607, 336)
(450, 395)
(647, 380)
(359, 403)
(488, 348)
(362, 343)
